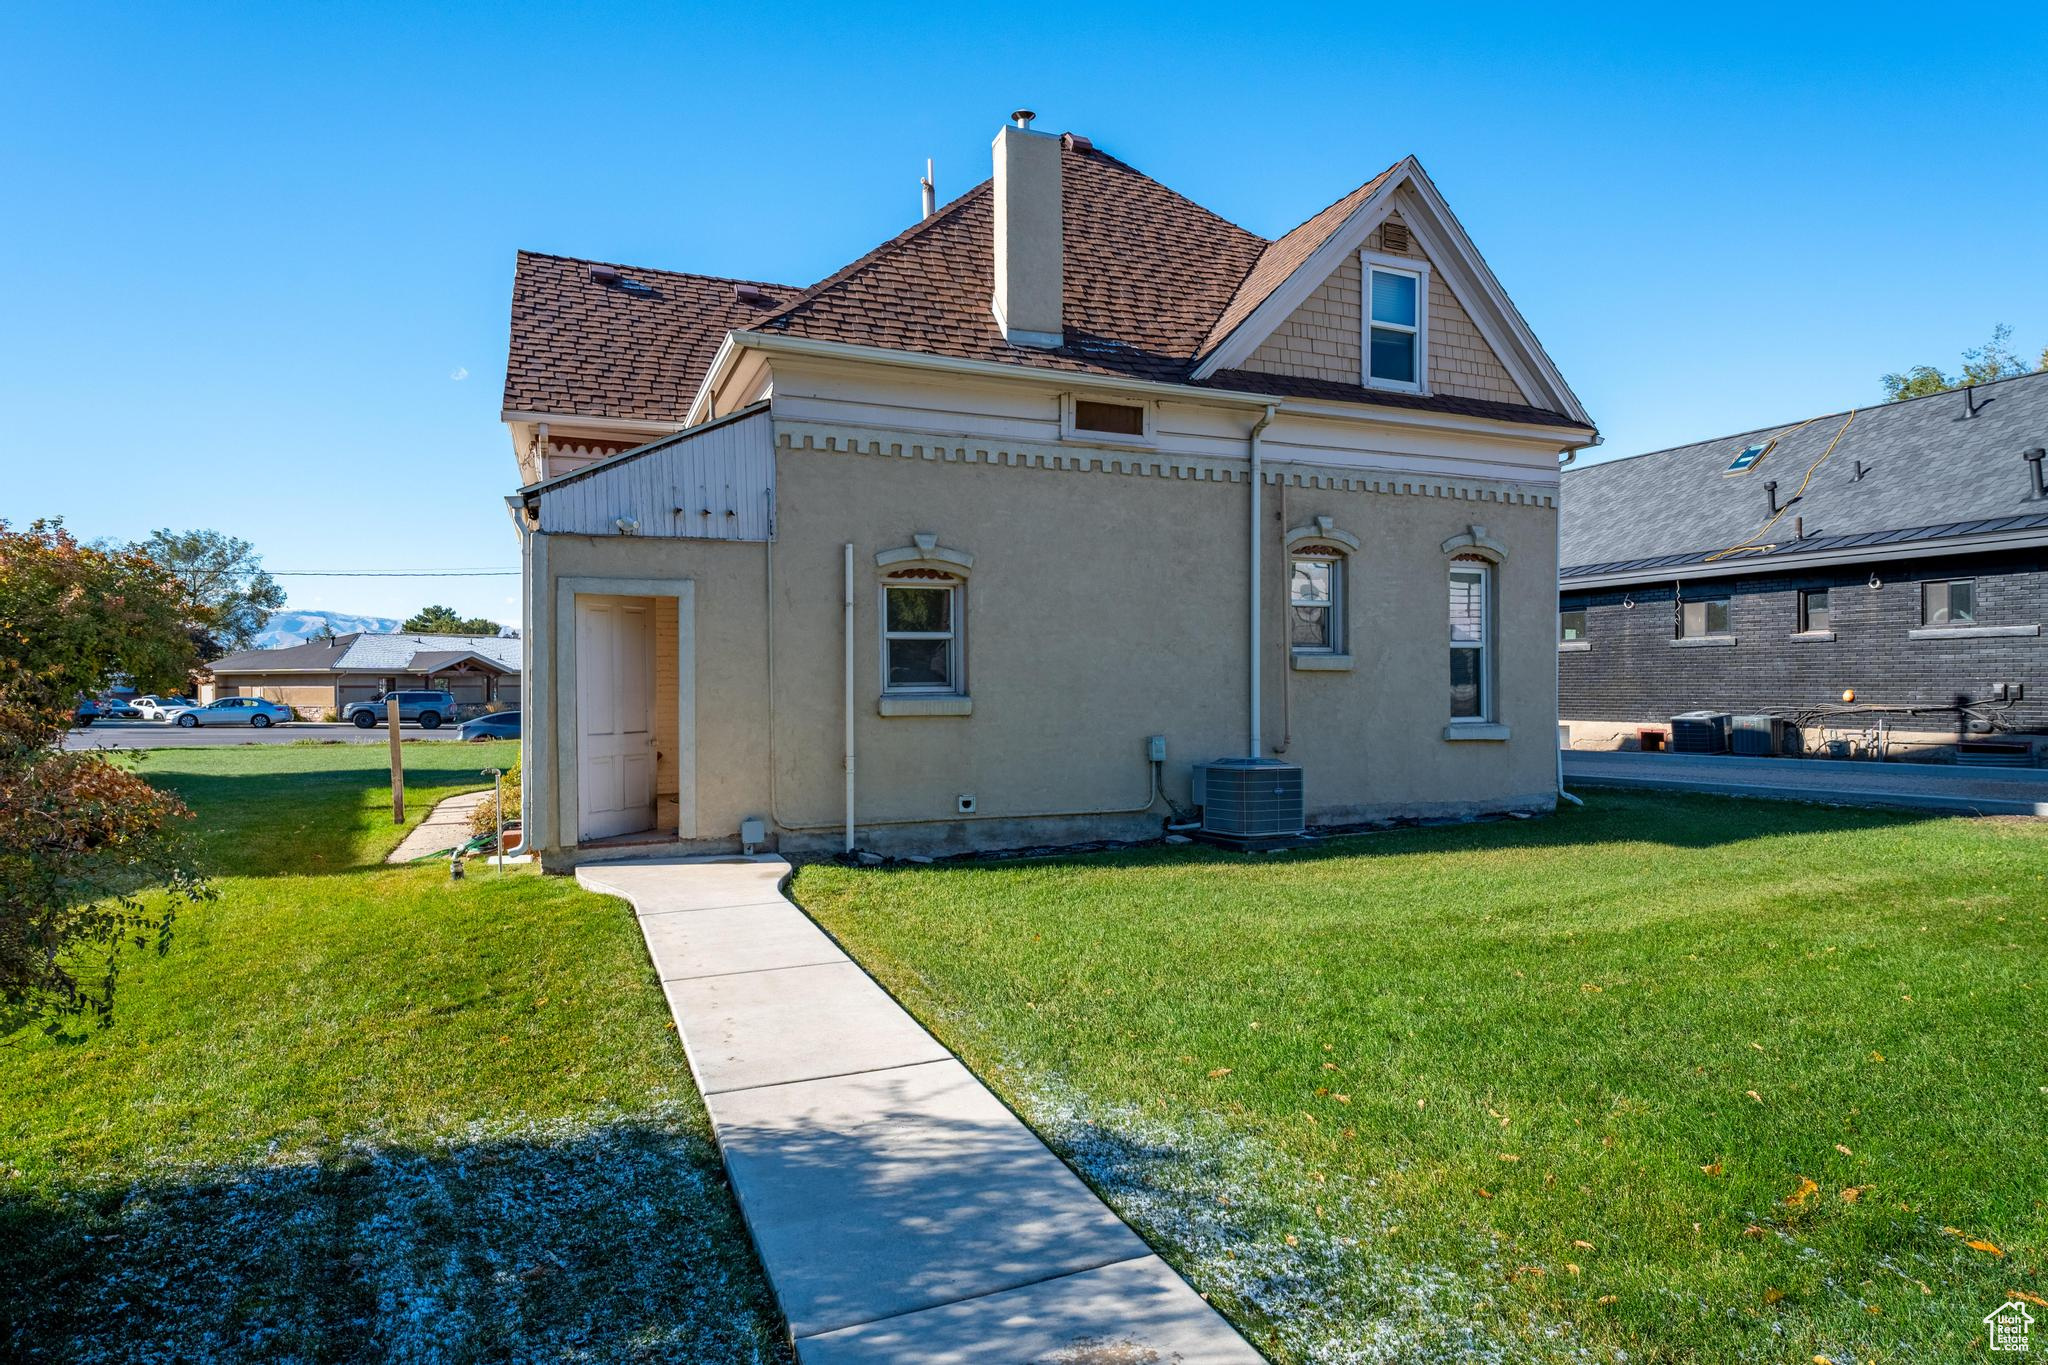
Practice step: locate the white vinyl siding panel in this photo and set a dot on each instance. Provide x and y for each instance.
(722, 480)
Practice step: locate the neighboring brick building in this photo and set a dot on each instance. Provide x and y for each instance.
(1911, 569)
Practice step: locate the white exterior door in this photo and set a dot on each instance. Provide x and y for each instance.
(614, 715)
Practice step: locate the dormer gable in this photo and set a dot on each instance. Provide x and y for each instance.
(1390, 264)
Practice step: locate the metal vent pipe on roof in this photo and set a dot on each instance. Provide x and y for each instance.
(2033, 458)
(930, 189)
(1771, 488)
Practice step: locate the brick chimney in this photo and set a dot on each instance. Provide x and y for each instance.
(1029, 256)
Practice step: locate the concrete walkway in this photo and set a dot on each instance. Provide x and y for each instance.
(446, 827)
(901, 1211)
(1949, 789)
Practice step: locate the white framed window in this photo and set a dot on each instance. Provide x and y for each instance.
(921, 633)
(1396, 322)
(1471, 641)
(1315, 601)
(1107, 419)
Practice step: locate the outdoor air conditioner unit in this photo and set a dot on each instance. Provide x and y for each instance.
(1700, 732)
(1245, 799)
(1758, 736)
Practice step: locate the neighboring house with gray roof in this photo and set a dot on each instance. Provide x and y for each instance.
(1896, 551)
(325, 675)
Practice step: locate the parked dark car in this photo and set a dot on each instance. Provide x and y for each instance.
(85, 713)
(425, 709)
(114, 708)
(495, 725)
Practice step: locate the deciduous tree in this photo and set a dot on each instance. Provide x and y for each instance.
(92, 858)
(1995, 359)
(230, 595)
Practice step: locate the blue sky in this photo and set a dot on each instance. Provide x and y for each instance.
(255, 262)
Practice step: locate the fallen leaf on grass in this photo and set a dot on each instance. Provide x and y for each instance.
(1771, 1296)
(1855, 1192)
(1484, 1193)
(1797, 1199)
(1582, 1244)
(1606, 1299)
(1877, 1056)
(1219, 1071)
(2034, 1299)
(1843, 1150)
(1978, 1244)
(1572, 1266)
(1753, 1095)
(1711, 1168)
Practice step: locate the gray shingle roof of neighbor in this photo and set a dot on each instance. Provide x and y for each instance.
(1930, 472)
(363, 652)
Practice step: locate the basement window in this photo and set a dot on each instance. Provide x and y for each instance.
(1949, 602)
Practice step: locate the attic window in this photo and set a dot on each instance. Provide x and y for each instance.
(1396, 322)
(1117, 419)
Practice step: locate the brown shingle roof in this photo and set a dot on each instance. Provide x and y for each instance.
(1146, 272)
(1153, 281)
(635, 348)
(1286, 255)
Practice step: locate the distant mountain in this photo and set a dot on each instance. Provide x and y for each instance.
(296, 627)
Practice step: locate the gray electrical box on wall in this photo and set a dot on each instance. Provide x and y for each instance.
(1155, 748)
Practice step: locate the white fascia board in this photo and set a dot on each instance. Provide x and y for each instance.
(1753, 565)
(991, 369)
(1279, 305)
(1458, 243)
(1549, 437)
(637, 426)
(721, 361)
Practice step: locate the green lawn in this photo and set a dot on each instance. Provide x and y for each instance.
(362, 1113)
(1532, 1090)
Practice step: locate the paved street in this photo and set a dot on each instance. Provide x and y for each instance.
(1914, 786)
(149, 734)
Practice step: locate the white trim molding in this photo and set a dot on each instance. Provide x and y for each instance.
(846, 439)
(1071, 430)
(1322, 529)
(1485, 731)
(925, 549)
(1474, 541)
(566, 749)
(897, 704)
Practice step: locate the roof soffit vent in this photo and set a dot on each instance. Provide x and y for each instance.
(1394, 237)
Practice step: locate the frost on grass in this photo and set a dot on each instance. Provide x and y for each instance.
(1241, 1220)
(612, 1239)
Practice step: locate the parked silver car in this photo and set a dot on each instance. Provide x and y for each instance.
(425, 709)
(253, 711)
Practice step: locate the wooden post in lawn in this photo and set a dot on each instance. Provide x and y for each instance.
(397, 764)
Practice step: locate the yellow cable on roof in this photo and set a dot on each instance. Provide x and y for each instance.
(1749, 544)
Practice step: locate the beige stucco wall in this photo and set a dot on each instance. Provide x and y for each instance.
(1323, 339)
(308, 699)
(1102, 608)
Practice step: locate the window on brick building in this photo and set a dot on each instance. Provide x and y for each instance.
(1813, 610)
(1703, 617)
(1949, 602)
(1571, 624)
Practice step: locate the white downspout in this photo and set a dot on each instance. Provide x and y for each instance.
(533, 561)
(1258, 478)
(846, 603)
(1557, 525)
